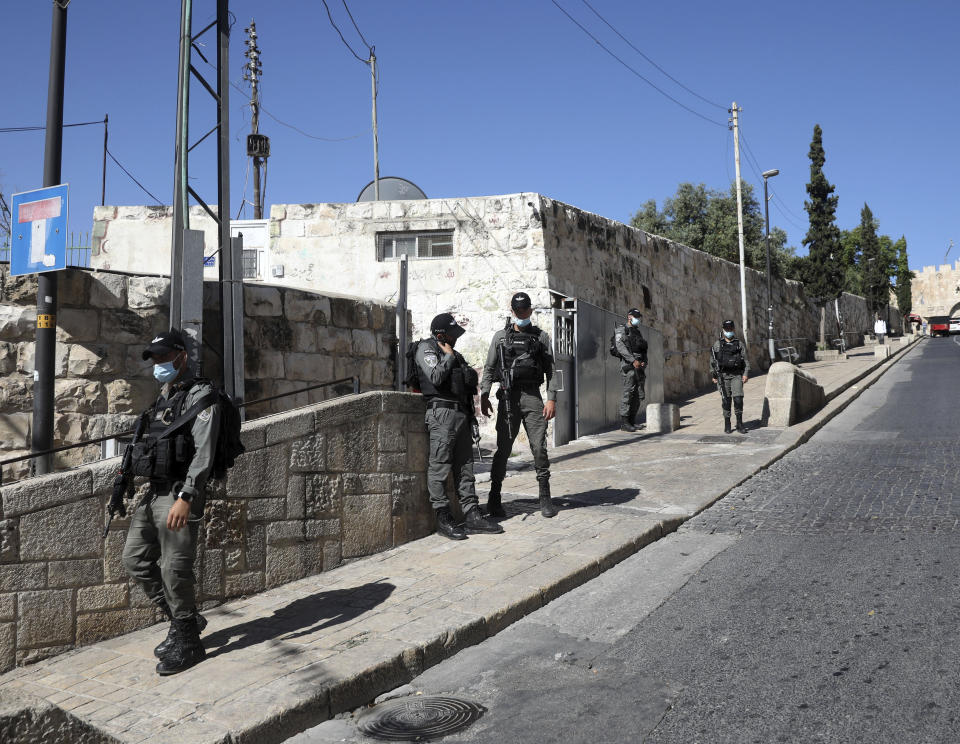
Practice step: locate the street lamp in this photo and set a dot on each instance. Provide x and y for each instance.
(766, 239)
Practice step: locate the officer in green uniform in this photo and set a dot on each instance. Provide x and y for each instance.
(162, 539)
(448, 385)
(729, 366)
(632, 347)
(527, 356)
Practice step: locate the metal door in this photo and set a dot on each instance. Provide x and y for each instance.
(564, 353)
(598, 374)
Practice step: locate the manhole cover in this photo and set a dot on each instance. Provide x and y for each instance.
(721, 439)
(418, 718)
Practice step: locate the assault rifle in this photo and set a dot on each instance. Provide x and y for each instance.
(123, 482)
(506, 386)
(475, 429)
(723, 394)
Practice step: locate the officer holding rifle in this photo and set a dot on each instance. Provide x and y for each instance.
(520, 359)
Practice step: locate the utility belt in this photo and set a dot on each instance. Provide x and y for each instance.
(447, 404)
(733, 369)
(532, 388)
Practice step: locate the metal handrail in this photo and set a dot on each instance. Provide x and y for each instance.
(356, 390)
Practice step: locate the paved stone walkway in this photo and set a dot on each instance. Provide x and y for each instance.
(291, 657)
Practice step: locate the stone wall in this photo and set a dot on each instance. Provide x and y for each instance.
(291, 339)
(936, 291)
(319, 485)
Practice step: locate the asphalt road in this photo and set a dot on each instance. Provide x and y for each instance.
(818, 602)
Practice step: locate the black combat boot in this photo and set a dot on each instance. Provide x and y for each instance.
(740, 427)
(447, 527)
(547, 508)
(165, 643)
(474, 523)
(494, 507)
(625, 424)
(185, 649)
(726, 425)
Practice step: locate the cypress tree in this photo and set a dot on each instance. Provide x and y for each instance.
(904, 278)
(876, 281)
(824, 277)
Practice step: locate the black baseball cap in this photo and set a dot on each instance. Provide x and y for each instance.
(520, 301)
(445, 322)
(164, 343)
(634, 312)
(728, 325)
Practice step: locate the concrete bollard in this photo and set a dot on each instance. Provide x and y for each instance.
(881, 351)
(662, 418)
(790, 395)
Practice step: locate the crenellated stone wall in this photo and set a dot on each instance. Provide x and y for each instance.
(319, 485)
(292, 339)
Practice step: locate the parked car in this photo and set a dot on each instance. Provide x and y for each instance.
(940, 328)
(955, 325)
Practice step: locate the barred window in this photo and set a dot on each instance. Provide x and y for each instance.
(436, 244)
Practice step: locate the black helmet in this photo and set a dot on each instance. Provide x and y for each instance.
(728, 325)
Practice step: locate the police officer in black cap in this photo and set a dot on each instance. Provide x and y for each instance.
(520, 357)
(162, 538)
(730, 369)
(448, 385)
(632, 347)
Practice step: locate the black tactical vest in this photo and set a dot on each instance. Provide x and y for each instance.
(460, 385)
(523, 354)
(730, 357)
(635, 341)
(164, 460)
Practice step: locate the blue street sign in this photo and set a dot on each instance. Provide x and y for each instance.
(209, 260)
(38, 227)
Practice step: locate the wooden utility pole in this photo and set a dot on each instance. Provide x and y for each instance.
(743, 274)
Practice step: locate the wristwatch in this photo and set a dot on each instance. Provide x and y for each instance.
(185, 497)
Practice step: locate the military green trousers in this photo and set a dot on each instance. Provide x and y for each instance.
(451, 450)
(160, 560)
(633, 392)
(732, 391)
(528, 409)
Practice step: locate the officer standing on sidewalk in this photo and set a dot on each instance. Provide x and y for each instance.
(162, 538)
(448, 385)
(632, 347)
(730, 369)
(525, 350)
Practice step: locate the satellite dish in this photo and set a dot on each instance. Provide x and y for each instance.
(392, 189)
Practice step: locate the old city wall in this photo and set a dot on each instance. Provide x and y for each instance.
(325, 483)
(936, 291)
(291, 339)
(684, 293)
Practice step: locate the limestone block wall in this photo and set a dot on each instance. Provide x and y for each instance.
(333, 481)
(292, 339)
(935, 291)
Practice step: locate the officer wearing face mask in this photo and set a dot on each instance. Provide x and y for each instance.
(730, 369)
(632, 347)
(176, 453)
(448, 385)
(520, 358)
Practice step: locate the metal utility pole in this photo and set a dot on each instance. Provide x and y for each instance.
(45, 346)
(103, 172)
(376, 144)
(743, 274)
(258, 146)
(402, 326)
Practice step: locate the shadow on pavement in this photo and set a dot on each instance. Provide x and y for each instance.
(300, 617)
(596, 497)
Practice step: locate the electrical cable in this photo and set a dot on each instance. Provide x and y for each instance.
(755, 167)
(4, 130)
(635, 72)
(359, 33)
(243, 195)
(630, 44)
(131, 177)
(340, 34)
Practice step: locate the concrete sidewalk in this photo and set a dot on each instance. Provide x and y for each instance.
(289, 658)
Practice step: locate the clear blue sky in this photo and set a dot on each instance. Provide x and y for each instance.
(502, 96)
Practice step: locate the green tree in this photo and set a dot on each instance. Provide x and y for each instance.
(824, 278)
(874, 253)
(904, 278)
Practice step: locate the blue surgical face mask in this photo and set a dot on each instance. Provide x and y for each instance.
(522, 322)
(728, 334)
(635, 321)
(165, 372)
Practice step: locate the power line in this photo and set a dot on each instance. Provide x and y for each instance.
(631, 69)
(359, 33)
(340, 33)
(630, 44)
(754, 164)
(131, 177)
(4, 130)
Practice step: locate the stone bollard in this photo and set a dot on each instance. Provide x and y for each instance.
(790, 395)
(881, 351)
(662, 418)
